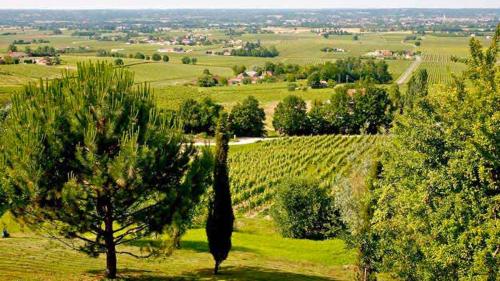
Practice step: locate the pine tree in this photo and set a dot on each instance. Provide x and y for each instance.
(220, 214)
(90, 157)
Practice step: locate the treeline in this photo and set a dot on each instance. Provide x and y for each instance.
(321, 75)
(255, 50)
(363, 109)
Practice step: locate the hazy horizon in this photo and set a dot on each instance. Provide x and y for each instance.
(256, 4)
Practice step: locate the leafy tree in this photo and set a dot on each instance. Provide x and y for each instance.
(290, 116)
(314, 80)
(156, 57)
(437, 207)
(371, 110)
(207, 80)
(355, 198)
(238, 69)
(165, 58)
(199, 117)
(417, 88)
(194, 60)
(220, 211)
(396, 98)
(186, 60)
(303, 209)
(317, 121)
(89, 157)
(12, 48)
(247, 118)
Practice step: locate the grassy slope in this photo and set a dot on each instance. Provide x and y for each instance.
(259, 253)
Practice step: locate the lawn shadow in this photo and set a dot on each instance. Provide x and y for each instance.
(197, 246)
(232, 273)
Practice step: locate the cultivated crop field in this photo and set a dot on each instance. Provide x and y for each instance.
(255, 169)
(300, 48)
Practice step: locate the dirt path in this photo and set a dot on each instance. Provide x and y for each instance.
(408, 72)
(240, 141)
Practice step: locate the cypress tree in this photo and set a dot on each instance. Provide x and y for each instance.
(220, 213)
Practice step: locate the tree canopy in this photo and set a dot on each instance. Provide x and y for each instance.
(439, 196)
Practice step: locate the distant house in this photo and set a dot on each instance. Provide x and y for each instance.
(17, 55)
(234, 81)
(351, 92)
(251, 74)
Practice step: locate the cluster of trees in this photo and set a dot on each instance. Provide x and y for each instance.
(26, 42)
(330, 73)
(209, 80)
(364, 109)
(436, 213)
(349, 70)
(106, 53)
(89, 157)
(246, 118)
(428, 207)
(188, 60)
(251, 49)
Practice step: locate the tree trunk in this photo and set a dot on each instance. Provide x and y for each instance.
(110, 261)
(216, 268)
(109, 240)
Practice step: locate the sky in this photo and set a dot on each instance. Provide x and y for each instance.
(218, 4)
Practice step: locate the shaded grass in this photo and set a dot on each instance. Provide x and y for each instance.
(259, 253)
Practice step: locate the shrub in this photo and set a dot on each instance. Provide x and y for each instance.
(165, 58)
(118, 61)
(139, 56)
(186, 60)
(303, 209)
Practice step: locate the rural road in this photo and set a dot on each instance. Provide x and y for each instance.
(239, 142)
(413, 66)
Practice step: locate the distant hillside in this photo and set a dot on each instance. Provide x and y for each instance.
(257, 168)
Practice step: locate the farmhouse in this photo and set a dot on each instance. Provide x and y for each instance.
(17, 55)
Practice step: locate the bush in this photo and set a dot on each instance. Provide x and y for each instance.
(118, 61)
(302, 209)
(186, 60)
(165, 58)
(139, 56)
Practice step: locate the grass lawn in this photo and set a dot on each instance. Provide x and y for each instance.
(259, 253)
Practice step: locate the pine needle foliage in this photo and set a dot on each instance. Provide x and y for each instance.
(90, 157)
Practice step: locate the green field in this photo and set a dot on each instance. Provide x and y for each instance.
(295, 47)
(259, 253)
